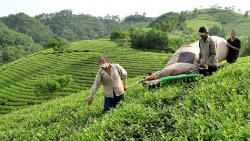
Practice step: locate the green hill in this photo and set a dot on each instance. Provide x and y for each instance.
(209, 17)
(25, 24)
(17, 78)
(214, 108)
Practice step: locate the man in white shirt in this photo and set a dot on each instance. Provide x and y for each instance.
(109, 75)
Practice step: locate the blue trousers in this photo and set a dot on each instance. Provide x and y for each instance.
(112, 102)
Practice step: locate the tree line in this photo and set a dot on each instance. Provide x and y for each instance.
(21, 35)
(158, 39)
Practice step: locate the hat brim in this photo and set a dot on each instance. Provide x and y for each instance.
(200, 33)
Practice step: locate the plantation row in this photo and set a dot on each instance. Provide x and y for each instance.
(17, 79)
(213, 108)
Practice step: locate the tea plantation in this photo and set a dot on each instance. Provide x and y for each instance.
(81, 62)
(213, 108)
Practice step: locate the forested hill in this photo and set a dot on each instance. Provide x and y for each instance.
(60, 24)
(15, 45)
(38, 30)
(21, 35)
(74, 27)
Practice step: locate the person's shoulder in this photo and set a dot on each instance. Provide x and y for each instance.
(115, 65)
(99, 70)
(237, 39)
(210, 39)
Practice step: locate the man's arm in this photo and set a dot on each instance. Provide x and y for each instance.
(95, 87)
(213, 52)
(237, 47)
(123, 73)
(239, 44)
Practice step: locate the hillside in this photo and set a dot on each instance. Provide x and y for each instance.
(209, 17)
(214, 108)
(65, 24)
(25, 24)
(17, 78)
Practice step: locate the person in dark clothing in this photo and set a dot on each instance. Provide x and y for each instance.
(233, 45)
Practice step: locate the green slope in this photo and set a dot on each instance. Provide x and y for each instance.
(210, 17)
(214, 108)
(17, 78)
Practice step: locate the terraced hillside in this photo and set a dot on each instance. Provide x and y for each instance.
(210, 17)
(17, 78)
(213, 108)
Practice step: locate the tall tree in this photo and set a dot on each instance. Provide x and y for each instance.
(59, 45)
(216, 30)
(49, 85)
(246, 14)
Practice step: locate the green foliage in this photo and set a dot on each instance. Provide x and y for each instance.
(215, 30)
(15, 45)
(245, 46)
(50, 84)
(157, 40)
(225, 22)
(118, 34)
(138, 18)
(64, 80)
(10, 54)
(59, 45)
(169, 22)
(10, 37)
(152, 40)
(25, 24)
(72, 27)
(246, 14)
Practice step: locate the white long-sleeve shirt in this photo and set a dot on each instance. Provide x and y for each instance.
(110, 83)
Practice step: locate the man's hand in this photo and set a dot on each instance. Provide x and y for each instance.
(90, 100)
(206, 66)
(228, 45)
(235, 48)
(197, 61)
(125, 87)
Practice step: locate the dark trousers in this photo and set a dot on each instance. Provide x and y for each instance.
(112, 102)
(209, 71)
(231, 60)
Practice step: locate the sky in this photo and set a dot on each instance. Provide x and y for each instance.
(123, 8)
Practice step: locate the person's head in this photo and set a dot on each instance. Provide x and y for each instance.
(203, 32)
(103, 62)
(233, 33)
